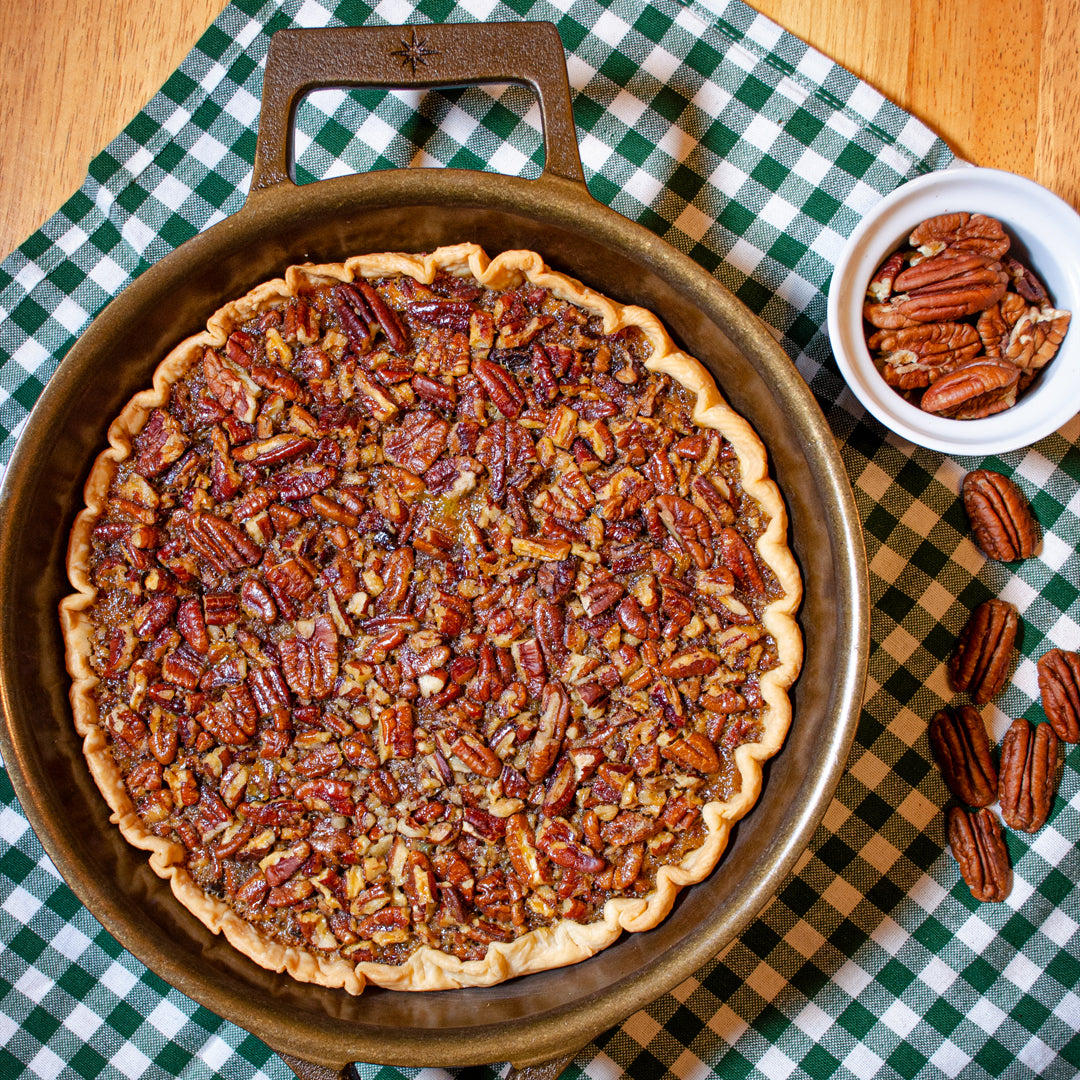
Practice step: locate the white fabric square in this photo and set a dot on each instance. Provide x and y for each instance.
(208, 150)
(950, 1059)
(130, 1061)
(137, 235)
(775, 1064)
(71, 240)
(813, 1021)
(166, 1018)
(82, 1022)
(215, 1052)
(22, 905)
(610, 29)
(172, 192)
(863, 1062)
(13, 826)
(29, 276)
(642, 1027)
(118, 979)
(70, 942)
(938, 975)
(900, 1018)
(244, 106)
(975, 934)
(110, 275)
(46, 1064)
(34, 984)
(312, 14)
(70, 315)
(986, 1015)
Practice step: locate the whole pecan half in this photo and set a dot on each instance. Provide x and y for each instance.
(974, 390)
(984, 650)
(961, 232)
(1059, 686)
(1000, 516)
(916, 356)
(979, 849)
(1028, 778)
(961, 749)
(973, 289)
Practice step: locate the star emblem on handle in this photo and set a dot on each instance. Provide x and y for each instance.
(414, 51)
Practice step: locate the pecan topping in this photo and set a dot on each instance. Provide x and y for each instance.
(225, 547)
(688, 524)
(1029, 759)
(1059, 687)
(961, 749)
(508, 452)
(554, 714)
(310, 665)
(417, 442)
(231, 385)
(427, 617)
(1000, 516)
(159, 444)
(501, 387)
(984, 652)
(979, 849)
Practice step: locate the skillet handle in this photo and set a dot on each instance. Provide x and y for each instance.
(424, 56)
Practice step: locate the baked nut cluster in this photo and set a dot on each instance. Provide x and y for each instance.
(957, 325)
(425, 615)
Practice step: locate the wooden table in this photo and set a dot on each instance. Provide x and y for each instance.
(997, 79)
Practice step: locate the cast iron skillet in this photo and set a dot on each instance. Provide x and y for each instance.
(540, 1016)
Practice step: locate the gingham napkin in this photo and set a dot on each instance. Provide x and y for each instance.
(756, 155)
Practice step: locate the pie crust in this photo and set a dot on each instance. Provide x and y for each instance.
(564, 940)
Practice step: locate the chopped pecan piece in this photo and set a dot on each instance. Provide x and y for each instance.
(159, 444)
(689, 526)
(231, 385)
(547, 743)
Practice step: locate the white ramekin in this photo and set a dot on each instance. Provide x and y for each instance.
(1046, 237)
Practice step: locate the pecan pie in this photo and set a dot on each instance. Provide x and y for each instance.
(433, 618)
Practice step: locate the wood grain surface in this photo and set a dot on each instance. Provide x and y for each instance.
(997, 79)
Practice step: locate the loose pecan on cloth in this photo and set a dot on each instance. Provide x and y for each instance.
(1059, 687)
(961, 749)
(1001, 520)
(1028, 776)
(979, 849)
(985, 650)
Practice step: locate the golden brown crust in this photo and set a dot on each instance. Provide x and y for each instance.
(566, 942)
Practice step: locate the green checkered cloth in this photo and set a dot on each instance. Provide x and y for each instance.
(756, 155)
